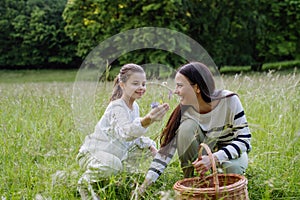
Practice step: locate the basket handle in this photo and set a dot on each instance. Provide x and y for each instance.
(213, 163)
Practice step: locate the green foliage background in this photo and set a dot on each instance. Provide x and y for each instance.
(60, 33)
(32, 34)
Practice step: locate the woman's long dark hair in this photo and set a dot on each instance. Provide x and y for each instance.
(196, 73)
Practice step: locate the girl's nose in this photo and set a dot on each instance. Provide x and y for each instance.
(143, 87)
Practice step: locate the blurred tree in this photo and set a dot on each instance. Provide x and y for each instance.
(92, 21)
(248, 32)
(33, 34)
(280, 34)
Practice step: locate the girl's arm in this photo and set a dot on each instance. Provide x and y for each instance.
(129, 125)
(145, 142)
(126, 125)
(156, 114)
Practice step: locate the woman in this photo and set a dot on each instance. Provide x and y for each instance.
(119, 130)
(214, 117)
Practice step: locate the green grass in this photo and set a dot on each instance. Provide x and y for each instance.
(39, 137)
(284, 66)
(25, 76)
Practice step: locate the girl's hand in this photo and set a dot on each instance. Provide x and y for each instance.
(203, 165)
(157, 113)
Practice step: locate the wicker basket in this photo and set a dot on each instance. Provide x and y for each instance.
(215, 186)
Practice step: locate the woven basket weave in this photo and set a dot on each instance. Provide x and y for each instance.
(215, 186)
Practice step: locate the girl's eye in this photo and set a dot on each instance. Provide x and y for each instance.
(138, 84)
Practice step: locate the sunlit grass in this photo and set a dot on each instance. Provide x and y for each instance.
(39, 139)
(271, 103)
(25, 76)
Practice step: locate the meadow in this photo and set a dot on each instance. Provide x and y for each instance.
(39, 138)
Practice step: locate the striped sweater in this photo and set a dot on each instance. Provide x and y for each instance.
(226, 125)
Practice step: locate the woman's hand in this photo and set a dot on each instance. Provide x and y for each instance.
(203, 165)
(140, 191)
(153, 150)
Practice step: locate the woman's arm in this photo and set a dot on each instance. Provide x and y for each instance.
(158, 165)
(240, 141)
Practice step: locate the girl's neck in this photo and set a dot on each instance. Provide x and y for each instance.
(128, 101)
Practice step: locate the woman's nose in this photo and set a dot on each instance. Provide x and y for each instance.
(175, 91)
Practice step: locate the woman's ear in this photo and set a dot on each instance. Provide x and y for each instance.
(121, 85)
(196, 88)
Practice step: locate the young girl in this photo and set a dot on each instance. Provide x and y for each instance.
(214, 117)
(120, 129)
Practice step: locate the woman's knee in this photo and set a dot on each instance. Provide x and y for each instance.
(185, 136)
(236, 166)
(188, 132)
(189, 137)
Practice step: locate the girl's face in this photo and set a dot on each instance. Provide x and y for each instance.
(135, 86)
(185, 91)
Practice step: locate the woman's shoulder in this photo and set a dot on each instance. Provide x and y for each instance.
(189, 116)
(232, 96)
(188, 124)
(232, 99)
(228, 93)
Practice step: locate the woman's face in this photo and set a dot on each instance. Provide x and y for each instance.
(135, 86)
(185, 91)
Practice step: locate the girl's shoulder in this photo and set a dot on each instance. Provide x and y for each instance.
(120, 103)
(115, 104)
